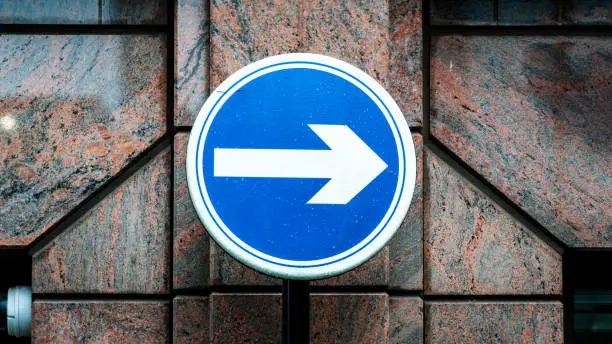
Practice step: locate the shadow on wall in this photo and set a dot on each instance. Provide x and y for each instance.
(572, 85)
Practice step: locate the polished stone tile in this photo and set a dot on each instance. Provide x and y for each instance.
(406, 247)
(238, 317)
(474, 247)
(48, 12)
(349, 318)
(487, 322)
(383, 39)
(191, 259)
(405, 79)
(405, 320)
(353, 31)
(246, 31)
(120, 246)
(532, 115)
(192, 60)
(70, 120)
(191, 320)
(100, 321)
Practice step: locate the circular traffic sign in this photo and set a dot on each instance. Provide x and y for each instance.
(301, 166)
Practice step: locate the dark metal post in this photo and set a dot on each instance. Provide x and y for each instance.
(296, 312)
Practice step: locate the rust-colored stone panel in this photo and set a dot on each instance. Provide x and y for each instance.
(238, 317)
(405, 79)
(246, 31)
(120, 246)
(100, 322)
(353, 31)
(474, 247)
(405, 320)
(485, 322)
(191, 259)
(74, 110)
(532, 115)
(191, 320)
(382, 38)
(349, 318)
(406, 247)
(192, 60)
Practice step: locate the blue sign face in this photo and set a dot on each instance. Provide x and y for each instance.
(301, 166)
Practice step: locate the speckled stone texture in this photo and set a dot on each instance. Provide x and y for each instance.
(192, 59)
(365, 318)
(533, 116)
(364, 33)
(474, 247)
(246, 31)
(236, 318)
(374, 271)
(349, 318)
(492, 322)
(71, 120)
(119, 246)
(405, 320)
(48, 12)
(406, 247)
(589, 12)
(134, 12)
(191, 320)
(405, 79)
(100, 322)
(198, 261)
(352, 31)
(528, 12)
(462, 12)
(191, 267)
(226, 270)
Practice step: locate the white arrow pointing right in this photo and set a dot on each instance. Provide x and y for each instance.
(349, 164)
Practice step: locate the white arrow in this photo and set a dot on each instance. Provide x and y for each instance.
(349, 164)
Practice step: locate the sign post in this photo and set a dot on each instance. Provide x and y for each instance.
(301, 166)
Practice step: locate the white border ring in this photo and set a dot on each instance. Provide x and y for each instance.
(320, 268)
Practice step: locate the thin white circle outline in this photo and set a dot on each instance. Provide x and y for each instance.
(303, 269)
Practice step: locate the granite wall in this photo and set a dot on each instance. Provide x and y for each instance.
(510, 107)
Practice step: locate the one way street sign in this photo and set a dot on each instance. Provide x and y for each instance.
(301, 166)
